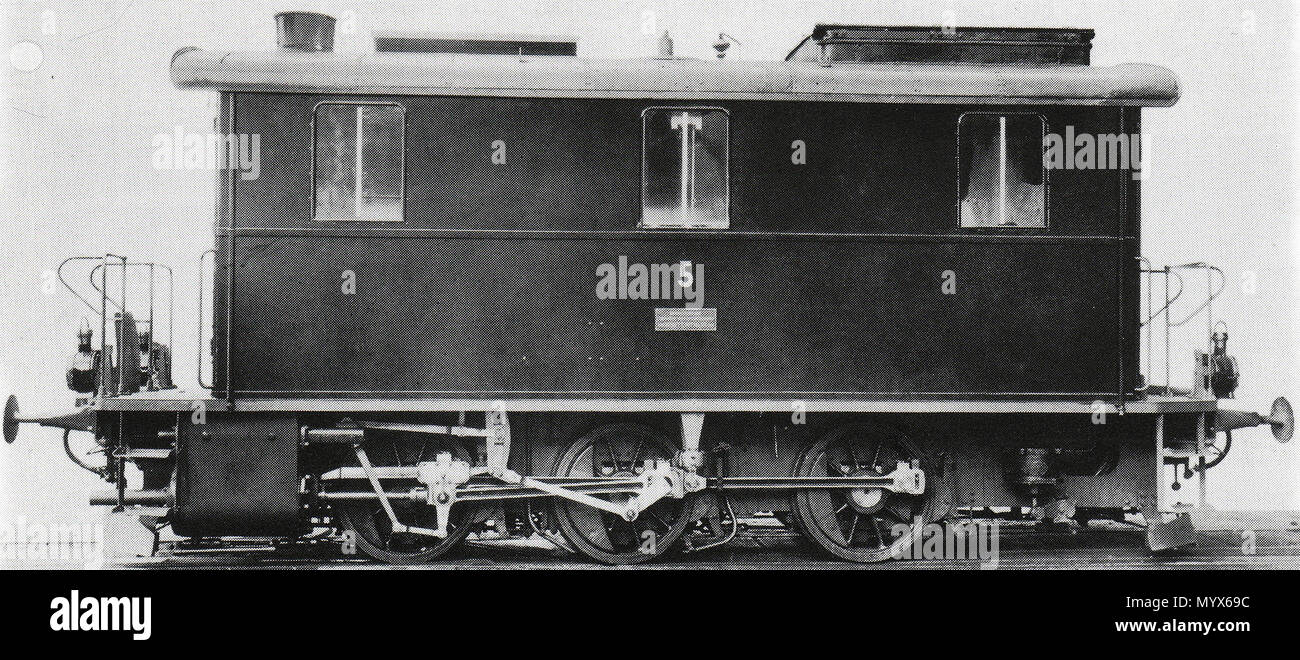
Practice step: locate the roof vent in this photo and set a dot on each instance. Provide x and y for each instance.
(305, 31)
(870, 43)
(475, 44)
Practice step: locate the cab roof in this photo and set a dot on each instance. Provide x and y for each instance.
(676, 79)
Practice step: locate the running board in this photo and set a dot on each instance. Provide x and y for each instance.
(1210, 520)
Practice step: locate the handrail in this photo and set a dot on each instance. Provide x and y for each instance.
(105, 359)
(1211, 292)
(171, 302)
(132, 263)
(151, 265)
(66, 285)
(1144, 266)
(1171, 273)
(91, 277)
(1169, 301)
(200, 352)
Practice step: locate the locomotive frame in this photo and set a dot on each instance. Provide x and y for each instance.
(402, 418)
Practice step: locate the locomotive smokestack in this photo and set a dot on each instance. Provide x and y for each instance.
(306, 31)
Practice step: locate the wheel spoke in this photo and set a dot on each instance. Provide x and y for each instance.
(834, 523)
(660, 520)
(372, 528)
(900, 510)
(853, 458)
(605, 536)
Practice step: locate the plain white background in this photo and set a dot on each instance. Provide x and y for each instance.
(78, 131)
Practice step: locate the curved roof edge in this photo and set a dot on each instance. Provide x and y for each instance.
(683, 79)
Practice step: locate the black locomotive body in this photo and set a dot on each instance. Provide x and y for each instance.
(630, 301)
(830, 272)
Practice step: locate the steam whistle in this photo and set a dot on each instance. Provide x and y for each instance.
(1280, 418)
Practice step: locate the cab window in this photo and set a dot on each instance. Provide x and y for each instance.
(684, 168)
(1003, 178)
(357, 162)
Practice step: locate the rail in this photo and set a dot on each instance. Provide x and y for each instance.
(199, 351)
(101, 271)
(1163, 316)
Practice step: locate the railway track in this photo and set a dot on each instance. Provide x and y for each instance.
(1021, 547)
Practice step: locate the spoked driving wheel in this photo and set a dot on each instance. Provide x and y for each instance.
(619, 450)
(368, 524)
(864, 524)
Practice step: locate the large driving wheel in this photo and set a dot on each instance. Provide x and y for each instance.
(619, 450)
(865, 524)
(368, 524)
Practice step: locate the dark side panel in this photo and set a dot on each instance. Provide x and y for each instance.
(237, 475)
(522, 315)
(576, 165)
(827, 280)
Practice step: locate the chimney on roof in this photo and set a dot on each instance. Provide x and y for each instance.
(665, 46)
(305, 31)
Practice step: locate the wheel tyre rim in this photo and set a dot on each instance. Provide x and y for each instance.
(571, 516)
(359, 520)
(804, 506)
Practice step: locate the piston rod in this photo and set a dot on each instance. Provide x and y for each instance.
(618, 485)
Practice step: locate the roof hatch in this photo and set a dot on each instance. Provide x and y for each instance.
(475, 44)
(974, 45)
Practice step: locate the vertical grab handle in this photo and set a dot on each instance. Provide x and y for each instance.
(199, 353)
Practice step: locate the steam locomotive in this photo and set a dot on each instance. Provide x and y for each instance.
(480, 285)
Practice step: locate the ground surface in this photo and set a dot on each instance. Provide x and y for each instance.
(1020, 547)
